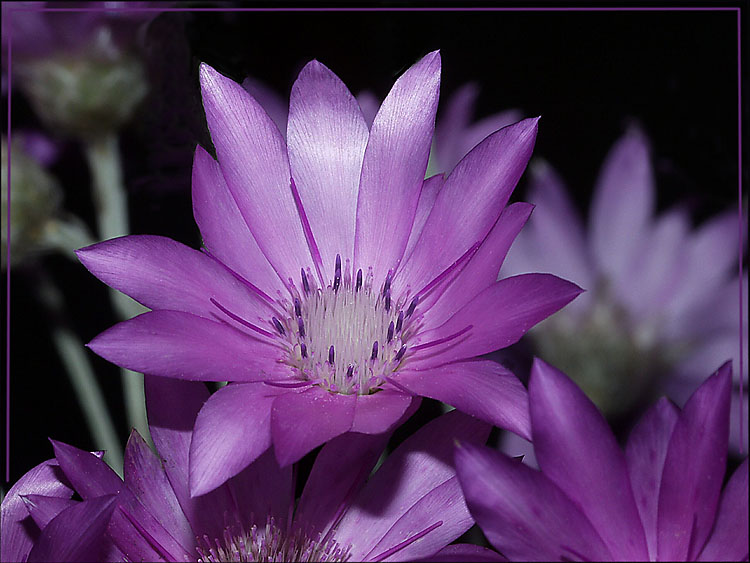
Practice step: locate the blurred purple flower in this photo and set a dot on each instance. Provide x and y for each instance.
(410, 508)
(336, 284)
(661, 299)
(659, 500)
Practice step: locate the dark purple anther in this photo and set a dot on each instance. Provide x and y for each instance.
(412, 306)
(301, 327)
(387, 284)
(400, 321)
(303, 349)
(330, 355)
(297, 307)
(337, 274)
(390, 332)
(388, 300)
(278, 326)
(305, 284)
(400, 354)
(374, 355)
(350, 371)
(358, 286)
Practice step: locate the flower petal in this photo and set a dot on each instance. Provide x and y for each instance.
(327, 136)
(253, 158)
(694, 469)
(45, 479)
(224, 231)
(43, 509)
(419, 465)
(523, 514)
(181, 345)
(273, 104)
(577, 451)
(481, 388)
(463, 552)
(303, 421)
(729, 538)
(481, 270)
(146, 478)
(172, 407)
(77, 533)
(428, 195)
(378, 413)
(232, 429)
(469, 203)
(498, 317)
(645, 453)
(622, 205)
(339, 471)
(394, 166)
(163, 274)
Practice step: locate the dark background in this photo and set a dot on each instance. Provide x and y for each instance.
(588, 74)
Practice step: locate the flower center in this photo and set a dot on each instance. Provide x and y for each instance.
(347, 337)
(268, 543)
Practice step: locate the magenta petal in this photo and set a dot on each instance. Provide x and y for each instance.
(428, 195)
(694, 469)
(172, 407)
(470, 202)
(339, 471)
(231, 431)
(165, 274)
(394, 167)
(729, 538)
(481, 270)
(577, 451)
(523, 514)
(43, 509)
(423, 462)
(327, 136)
(224, 231)
(181, 345)
(147, 480)
(622, 205)
(253, 157)
(481, 388)
(379, 412)
(76, 534)
(645, 454)
(45, 479)
(498, 317)
(463, 552)
(303, 421)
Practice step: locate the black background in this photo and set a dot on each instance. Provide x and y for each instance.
(588, 74)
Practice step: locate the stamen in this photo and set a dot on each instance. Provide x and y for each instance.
(400, 354)
(337, 274)
(408, 541)
(412, 306)
(442, 340)
(374, 355)
(387, 284)
(314, 252)
(297, 307)
(400, 321)
(301, 327)
(330, 355)
(388, 299)
(350, 371)
(303, 349)
(390, 332)
(358, 286)
(305, 283)
(278, 326)
(240, 320)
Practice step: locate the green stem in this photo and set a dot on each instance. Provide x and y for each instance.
(111, 203)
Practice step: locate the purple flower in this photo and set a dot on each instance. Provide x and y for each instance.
(336, 284)
(410, 508)
(662, 306)
(661, 499)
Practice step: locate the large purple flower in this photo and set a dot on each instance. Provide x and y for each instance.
(661, 309)
(410, 508)
(336, 284)
(659, 500)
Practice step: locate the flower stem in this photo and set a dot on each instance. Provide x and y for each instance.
(83, 379)
(110, 199)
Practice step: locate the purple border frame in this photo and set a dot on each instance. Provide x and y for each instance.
(20, 8)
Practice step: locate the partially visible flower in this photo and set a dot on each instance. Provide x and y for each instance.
(659, 500)
(77, 68)
(337, 285)
(661, 308)
(410, 508)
